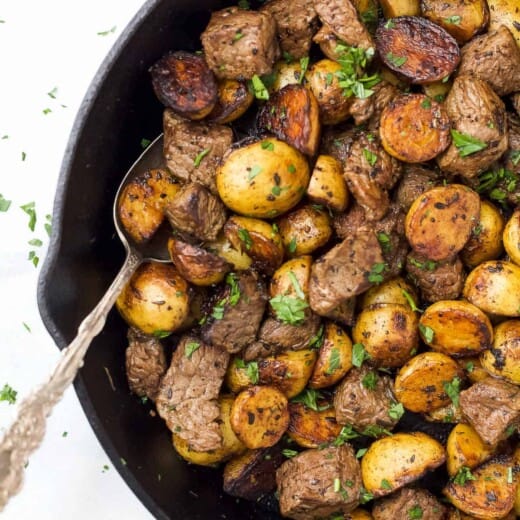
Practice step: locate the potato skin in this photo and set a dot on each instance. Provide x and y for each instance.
(286, 74)
(460, 328)
(440, 221)
(282, 281)
(414, 128)
(391, 291)
(327, 185)
(260, 182)
(394, 8)
(223, 248)
(504, 12)
(233, 99)
(511, 237)
(155, 299)
(399, 459)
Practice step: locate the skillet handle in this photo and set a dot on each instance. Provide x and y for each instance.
(27, 431)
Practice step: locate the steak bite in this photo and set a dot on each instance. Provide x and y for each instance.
(415, 181)
(491, 406)
(319, 483)
(409, 503)
(187, 398)
(239, 44)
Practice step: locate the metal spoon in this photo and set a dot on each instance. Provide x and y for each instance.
(27, 431)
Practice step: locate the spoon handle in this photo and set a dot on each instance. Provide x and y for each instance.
(27, 431)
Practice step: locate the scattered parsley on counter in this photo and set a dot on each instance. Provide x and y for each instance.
(145, 143)
(26, 327)
(48, 224)
(8, 394)
(53, 92)
(4, 204)
(24, 156)
(105, 468)
(29, 208)
(106, 33)
(64, 434)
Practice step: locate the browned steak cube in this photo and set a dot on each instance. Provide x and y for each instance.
(409, 503)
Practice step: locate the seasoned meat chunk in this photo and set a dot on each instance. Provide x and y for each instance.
(343, 20)
(493, 57)
(193, 150)
(415, 181)
(257, 350)
(344, 313)
(236, 317)
(384, 92)
(296, 22)
(187, 398)
(475, 111)
(145, 364)
(240, 43)
(337, 141)
(196, 211)
(328, 42)
(343, 271)
(436, 280)
(409, 503)
(319, 483)
(364, 398)
(491, 406)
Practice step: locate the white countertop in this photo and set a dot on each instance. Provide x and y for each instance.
(54, 48)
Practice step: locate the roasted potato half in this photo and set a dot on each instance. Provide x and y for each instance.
(292, 278)
(511, 237)
(494, 287)
(234, 98)
(183, 82)
(142, 202)
(395, 290)
(441, 220)
(292, 115)
(305, 229)
(223, 248)
(334, 357)
(260, 416)
(437, 90)
(392, 462)
(286, 74)
(258, 239)
(414, 128)
(327, 185)
(446, 414)
(394, 8)
(507, 13)
(263, 179)
(503, 359)
(420, 384)
(461, 18)
(456, 328)
(155, 300)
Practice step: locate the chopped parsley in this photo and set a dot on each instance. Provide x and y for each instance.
(389, 24)
(365, 496)
(267, 145)
(259, 89)
(361, 452)
(466, 144)
(488, 183)
(191, 347)
(296, 285)
(396, 61)
(53, 92)
(161, 334)
(370, 380)
(65, 434)
(396, 411)
(4, 204)
(509, 475)
(427, 265)
(26, 327)
(376, 273)
(36, 242)
(255, 170)
(145, 143)
(238, 35)
(243, 4)
(415, 513)
(410, 300)
(252, 372)
(359, 354)
(385, 484)
(46, 111)
(470, 366)
(304, 65)
(455, 19)
(309, 398)
(463, 475)
(427, 333)
(370, 157)
(48, 224)
(8, 394)
(200, 156)
(346, 434)
(384, 242)
(334, 361)
(289, 309)
(106, 33)
(426, 103)
(292, 245)
(452, 389)
(234, 295)
(374, 430)
(317, 340)
(514, 156)
(291, 168)
(289, 453)
(34, 258)
(245, 237)
(29, 208)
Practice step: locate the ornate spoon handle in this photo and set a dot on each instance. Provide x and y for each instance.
(27, 431)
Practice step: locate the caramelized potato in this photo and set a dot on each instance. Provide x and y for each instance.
(419, 385)
(334, 357)
(465, 448)
(260, 416)
(225, 249)
(414, 128)
(494, 287)
(142, 203)
(473, 369)
(446, 414)
(485, 242)
(312, 428)
(457, 328)
(388, 332)
(304, 230)
(393, 8)
(492, 492)
(503, 359)
(507, 13)
(461, 18)
(196, 265)
(394, 290)
(292, 278)
(512, 237)
(327, 185)
(155, 300)
(258, 239)
(359, 514)
(286, 74)
(437, 90)
(392, 462)
(263, 179)
(292, 115)
(417, 49)
(440, 221)
(183, 82)
(234, 98)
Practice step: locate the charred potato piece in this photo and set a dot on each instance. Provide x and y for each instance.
(394, 8)
(286, 74)
(511, 237)
(142, 202)
(292, 115)
(155, 300)
(485, 242)
(494, 287)
(503, 359)
(327, 185)
(456, 328)
(473, 369)
(446, 414)
(292, 278)
(440, 221)
(420, 384)
(414, 128)
(258, 239)
(465, 448)
(196, 265)
(395, 290)
(392, 462)
(334, 357)
(417, 49)
(461, 18)
(359, 514)
(491, 493)
(367, 11)
(506, 13)
(313, 428)
(183, 82)
(260, 416)
(233, 99)
(304, 230)
(225, 249)
(263, 179)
